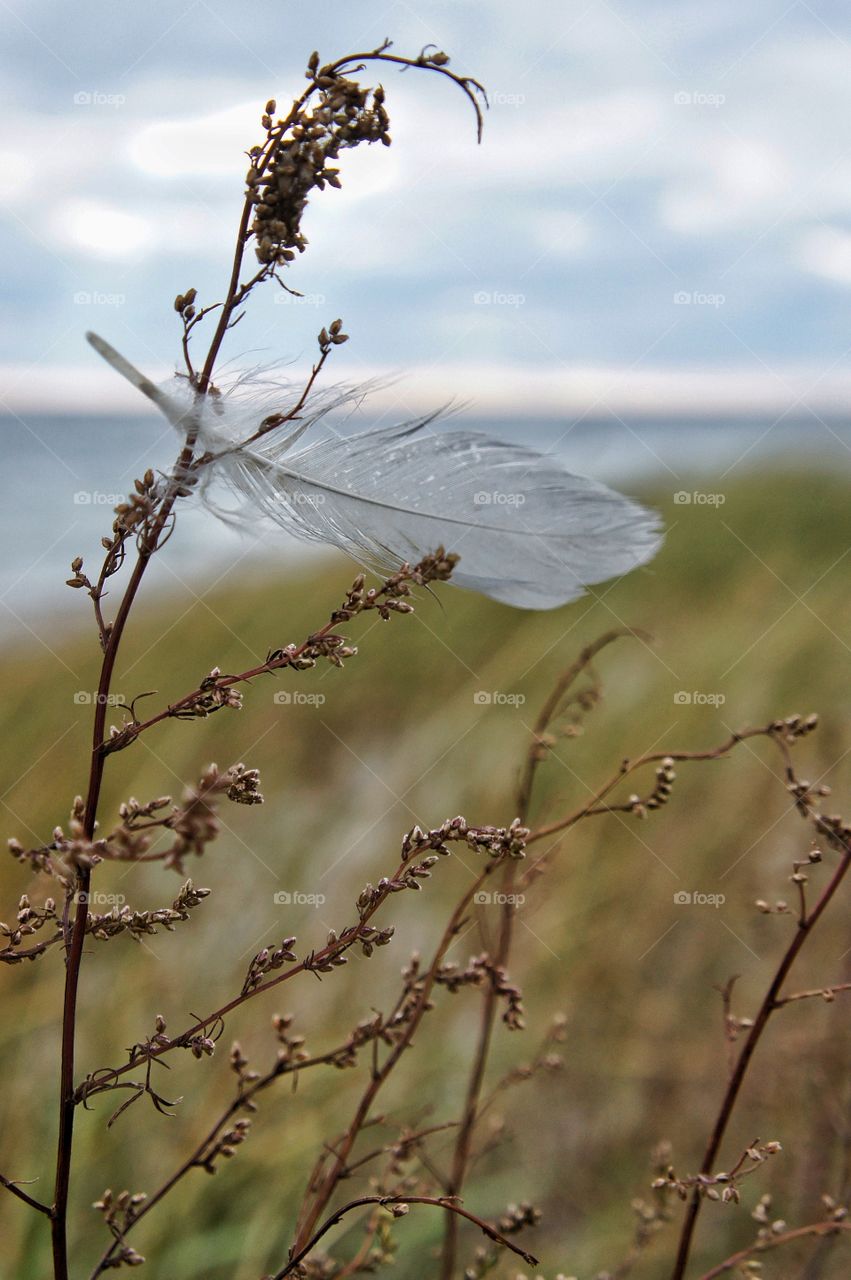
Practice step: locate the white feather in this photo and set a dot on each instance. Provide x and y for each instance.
(167, 404)
(528, 532)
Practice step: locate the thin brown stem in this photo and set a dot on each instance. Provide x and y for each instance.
(328, 1184)
(236, 293)
(78, 935)
(826, 993)
(22, 1195)
(594, 807)
(819, 1229)
(197, 1157)
(768, 1006)
(74, 956)
(13, 955)
(348, 938)
(277, 420)
(439, 1202)
(550, 708)
(355, 1264)
(464, 1140)
(226, 681)
(410, 1140)
(105, 1080)
(422, 574)
(534, 756)
(205, 376)
(467, 84)
(113, 560)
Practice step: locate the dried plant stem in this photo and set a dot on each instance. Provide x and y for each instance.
(490, 999)
(111, 563)
(202, 1151)
(107, 1079)
(439, 1202)
(74, 948)
(389, 597)
(356, 1264)
(552, 704)
(820, 1229)
(110, 638)
(13, 955)
(226, 681)
(826, 993)
(594, 807)
(232, 297)
(409, 1140)
(236, 292)
(277, 420)
(74, 954)
(22, 1195)
(339, 1168)
(769, 1004)
(197, 1158)
(463, 1143)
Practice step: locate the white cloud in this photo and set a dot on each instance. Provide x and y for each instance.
(826, 252)
(775, 151)
(560, 233)
(532, 145)
(210, 145)
(734, 182)
(101, 229)
(16, 172)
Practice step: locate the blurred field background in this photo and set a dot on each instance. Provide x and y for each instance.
(749, 600)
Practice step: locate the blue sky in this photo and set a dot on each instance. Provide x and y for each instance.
(657, 220)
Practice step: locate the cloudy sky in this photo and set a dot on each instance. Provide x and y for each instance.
(658, 218)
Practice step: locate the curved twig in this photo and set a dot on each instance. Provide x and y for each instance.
(22, 1195)
(438, 1202)
(821, 1229)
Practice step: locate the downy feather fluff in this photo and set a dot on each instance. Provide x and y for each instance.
(529, 533)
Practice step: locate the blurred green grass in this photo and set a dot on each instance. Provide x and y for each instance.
(749, 601)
